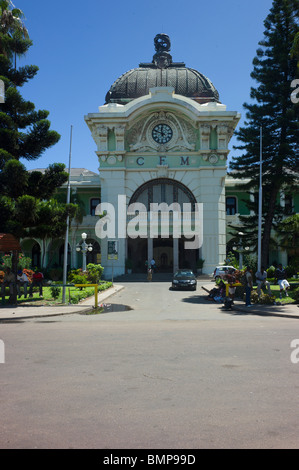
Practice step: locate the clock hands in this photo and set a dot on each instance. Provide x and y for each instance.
(162, 133)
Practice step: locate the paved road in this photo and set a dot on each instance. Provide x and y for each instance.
(174, 371)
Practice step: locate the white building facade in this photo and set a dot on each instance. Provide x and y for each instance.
(162, 137)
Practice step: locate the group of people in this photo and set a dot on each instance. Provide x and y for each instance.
(21, 280)
(261, 281)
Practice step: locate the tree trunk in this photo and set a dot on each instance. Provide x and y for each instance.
(268, 226)
(14, 268)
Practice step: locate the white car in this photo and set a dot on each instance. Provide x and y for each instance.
(221, 271)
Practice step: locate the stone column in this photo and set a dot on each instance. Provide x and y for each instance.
(150, 249)
(175, 254)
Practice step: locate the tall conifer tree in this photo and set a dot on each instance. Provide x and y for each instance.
(272, 109)
(25, 134)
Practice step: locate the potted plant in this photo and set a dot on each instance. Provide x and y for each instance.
(199, 265)
(129, 265)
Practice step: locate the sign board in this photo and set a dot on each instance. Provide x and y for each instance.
(112, 249)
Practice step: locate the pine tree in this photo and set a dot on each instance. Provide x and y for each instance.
(27, 207)
(24, 131)
(24, 134)
(272, 110)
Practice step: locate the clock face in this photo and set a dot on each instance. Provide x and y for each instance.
(162, 133)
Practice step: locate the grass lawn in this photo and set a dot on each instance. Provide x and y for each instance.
(73, 295)
(276, 292)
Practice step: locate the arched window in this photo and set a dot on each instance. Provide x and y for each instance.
(163, 190)
(36, 253)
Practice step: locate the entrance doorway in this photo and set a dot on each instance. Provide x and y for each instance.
(163, 254)
(168, 253)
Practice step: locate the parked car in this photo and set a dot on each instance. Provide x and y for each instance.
(184, 279)
(221, 271)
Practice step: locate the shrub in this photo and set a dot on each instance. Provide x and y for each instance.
(271, 272)
(295, 295)
(76, 276)
(80, 295)
(94, 273)
(55, 291)
(24, 262)
(290, 270)
(267, 299)
(105, 285)
(254, 297)
(29, 273)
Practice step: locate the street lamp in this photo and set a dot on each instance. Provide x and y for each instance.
(84, 247)
(239, 248)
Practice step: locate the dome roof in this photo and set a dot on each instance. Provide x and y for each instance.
(162, 72)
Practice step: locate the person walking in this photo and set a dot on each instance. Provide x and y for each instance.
(248, 286)
(281, 279)
(261, 281)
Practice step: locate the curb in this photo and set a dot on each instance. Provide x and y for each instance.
(17, 315)
(266, 312)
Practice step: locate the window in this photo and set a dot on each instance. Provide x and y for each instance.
(231, 205)
(93, 204)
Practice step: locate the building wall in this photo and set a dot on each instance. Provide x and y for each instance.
(195, 156)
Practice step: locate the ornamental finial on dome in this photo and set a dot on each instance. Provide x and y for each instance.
(162, 59)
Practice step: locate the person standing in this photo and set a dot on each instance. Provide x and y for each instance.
(149, 274)
(280, 277)
(261, 281)
(231, 279)
(22, 280)
(8, 280)
(248, 286)
(153, 264)
(37, 280)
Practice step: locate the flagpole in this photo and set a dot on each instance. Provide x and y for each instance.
(259, 250)
(68, 197)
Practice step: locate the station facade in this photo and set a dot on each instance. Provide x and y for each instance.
(162, 136)
(162, 140)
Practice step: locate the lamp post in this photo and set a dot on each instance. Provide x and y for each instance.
(239, 248)
(84, 248)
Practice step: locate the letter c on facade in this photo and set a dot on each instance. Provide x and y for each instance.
(140, 161)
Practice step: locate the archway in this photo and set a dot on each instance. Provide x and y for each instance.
(168, 251)
(93, 256)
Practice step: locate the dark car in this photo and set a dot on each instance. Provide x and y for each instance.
(184, 279)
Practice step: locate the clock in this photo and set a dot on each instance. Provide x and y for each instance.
(162, 133)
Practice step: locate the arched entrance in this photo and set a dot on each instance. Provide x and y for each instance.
(31, 249)
(167, 250)
(93, 256)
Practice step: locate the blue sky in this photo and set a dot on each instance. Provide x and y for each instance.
(81, 48)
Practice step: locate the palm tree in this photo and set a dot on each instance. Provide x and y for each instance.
(14, 37)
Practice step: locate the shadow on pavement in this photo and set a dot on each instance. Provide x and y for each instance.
(239, 308)
(142, 277)
(108, 308)
(198, 299)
